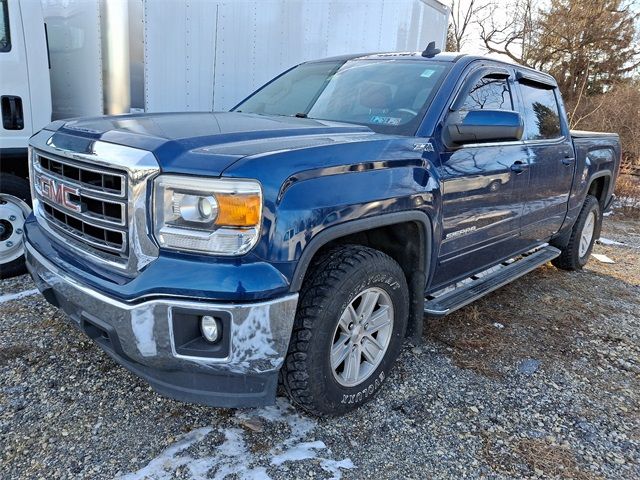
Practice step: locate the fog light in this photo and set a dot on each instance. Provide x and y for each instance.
(210, 329)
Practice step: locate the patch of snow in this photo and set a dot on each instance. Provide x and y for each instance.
(498, 325)
(608, 241)
(628, 201)
(234, 457)
(163, 466)
(18, 296)
(334, 466)
(602, 258)
(300, 451)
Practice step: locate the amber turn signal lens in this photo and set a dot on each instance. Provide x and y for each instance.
(238, 210)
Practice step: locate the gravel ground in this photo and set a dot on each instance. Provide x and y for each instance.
(539, 379)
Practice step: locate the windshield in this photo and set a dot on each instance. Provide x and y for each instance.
(389, 96)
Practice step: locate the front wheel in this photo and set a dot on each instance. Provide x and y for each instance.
(348, 331)
(584, 234)
(14, 210)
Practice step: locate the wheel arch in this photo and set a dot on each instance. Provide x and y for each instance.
(381, 233)
(600, 184)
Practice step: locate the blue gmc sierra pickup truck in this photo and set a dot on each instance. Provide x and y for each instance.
(301, 237)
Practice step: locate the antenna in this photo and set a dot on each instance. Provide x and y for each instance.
(431, 50)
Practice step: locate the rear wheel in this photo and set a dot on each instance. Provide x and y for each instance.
(14, 210)
(576, 254)
(348, 331)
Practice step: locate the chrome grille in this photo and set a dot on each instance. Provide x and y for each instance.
(95, 180)
(84, 203)
(97, 237)
(97, 203)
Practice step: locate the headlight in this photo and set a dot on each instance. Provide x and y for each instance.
(215, 216)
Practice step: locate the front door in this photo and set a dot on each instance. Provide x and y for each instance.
(482, 189)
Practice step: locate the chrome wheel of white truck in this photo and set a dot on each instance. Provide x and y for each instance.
(14, 210)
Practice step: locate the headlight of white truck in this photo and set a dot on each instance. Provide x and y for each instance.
(206, 215)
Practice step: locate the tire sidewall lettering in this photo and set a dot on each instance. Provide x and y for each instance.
(364, 392)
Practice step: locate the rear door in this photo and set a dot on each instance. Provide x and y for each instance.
(551, 157)
(482, 193)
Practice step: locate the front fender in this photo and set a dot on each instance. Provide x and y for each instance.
(316, 210)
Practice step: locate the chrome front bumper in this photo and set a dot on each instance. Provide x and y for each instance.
(141, 337)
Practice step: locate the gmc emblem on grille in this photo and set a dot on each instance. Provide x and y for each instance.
(58, 193)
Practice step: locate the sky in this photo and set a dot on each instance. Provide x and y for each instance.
(474, 44)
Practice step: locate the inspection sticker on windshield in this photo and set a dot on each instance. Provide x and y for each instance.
(381, 120)
(427, 73)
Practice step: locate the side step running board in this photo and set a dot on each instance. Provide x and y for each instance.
(450, 299)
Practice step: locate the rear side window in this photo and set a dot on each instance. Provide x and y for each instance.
(489, 93)
(541, 114)
(5, 39)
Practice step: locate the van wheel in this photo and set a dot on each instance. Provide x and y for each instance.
(585, 231)
(14, 210)
(349, 328)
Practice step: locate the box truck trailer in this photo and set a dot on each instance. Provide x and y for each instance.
(76, 58)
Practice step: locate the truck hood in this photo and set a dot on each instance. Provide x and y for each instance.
(208, 143)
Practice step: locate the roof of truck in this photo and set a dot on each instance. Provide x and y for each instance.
(448, 57)
(441, 57)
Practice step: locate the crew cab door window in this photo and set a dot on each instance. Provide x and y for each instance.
(489, 93)
(541, 114)
(5, 39)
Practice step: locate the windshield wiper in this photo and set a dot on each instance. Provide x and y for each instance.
(301, 115)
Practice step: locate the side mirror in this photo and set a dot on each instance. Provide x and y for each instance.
(477, 126)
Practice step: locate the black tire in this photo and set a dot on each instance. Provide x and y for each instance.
(335, 279)
(570, 258)
(19, 188)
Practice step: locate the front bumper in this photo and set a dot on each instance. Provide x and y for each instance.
(142, 338)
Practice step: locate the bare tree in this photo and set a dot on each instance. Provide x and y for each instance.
(461, 18)
(511, 32)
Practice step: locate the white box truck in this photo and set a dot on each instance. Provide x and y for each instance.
(69, 58)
